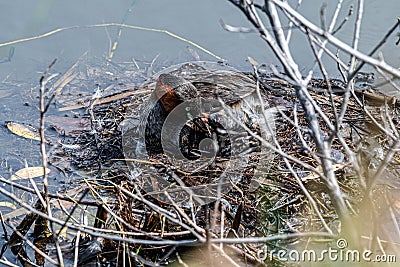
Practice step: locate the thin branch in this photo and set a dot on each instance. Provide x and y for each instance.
(322, 16)
(289, 33)
(271, 238)
(30, 244)
(335, 41)
(382, 42)
(335, 16)
(356, 36)
(328, 83)
(383, 165)
(43, 82)
(350, 12)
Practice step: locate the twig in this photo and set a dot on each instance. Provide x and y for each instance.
(290, 30)
(185, 216)
(160, 211)
(356, 36)
(266, 143)
(43, 109)
(388, 80)
(114, 46)
(38, 194)
(393, 216)
(54, 196)
(95, 231)
(335, 41)
(73, 209)
(382, 42)
(328, 83)
(102, 25)
(271, 238)
(383, 165)
(335, 16)
(36, 249)
(76, 248)
(3, 225)
(322, 16)
(224, 255)
(7, 263)
(349, 13)
(311, 110)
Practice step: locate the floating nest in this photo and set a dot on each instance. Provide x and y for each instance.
(265, 200)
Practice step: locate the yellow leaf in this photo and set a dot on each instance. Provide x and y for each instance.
(8, 205)
(63, 232)
(23, 130)
(30, 172)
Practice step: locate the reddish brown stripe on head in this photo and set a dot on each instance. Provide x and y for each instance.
(165, 91)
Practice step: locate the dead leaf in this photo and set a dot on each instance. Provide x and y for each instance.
(8, 205)
(105, 100)
(24, 131)
(30, 172)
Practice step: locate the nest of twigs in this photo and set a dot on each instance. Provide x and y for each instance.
(278, 206)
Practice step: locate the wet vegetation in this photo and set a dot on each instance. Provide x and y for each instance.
(317, 168)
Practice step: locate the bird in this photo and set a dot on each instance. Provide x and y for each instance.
(169, 93)
(194, 113)
(199, 125)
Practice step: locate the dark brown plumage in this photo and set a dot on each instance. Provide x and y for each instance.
(184, 110)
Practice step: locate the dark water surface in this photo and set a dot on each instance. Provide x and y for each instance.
(197, 21)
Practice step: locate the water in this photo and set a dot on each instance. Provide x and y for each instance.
(197, 21)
